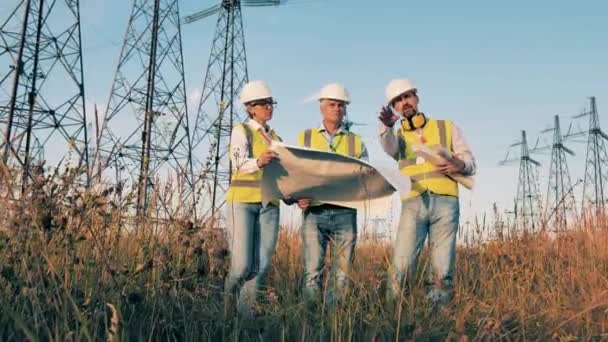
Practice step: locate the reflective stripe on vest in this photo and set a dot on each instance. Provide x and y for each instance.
(249, 135)
(308, 138)
(426, 175)
(247, 183)
(442, 133)
(351, 144)
(401, 142)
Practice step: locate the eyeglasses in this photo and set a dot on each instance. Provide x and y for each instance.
(266, 103)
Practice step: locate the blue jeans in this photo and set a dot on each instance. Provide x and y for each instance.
(436, 216)
(252, 243)
(320, 226)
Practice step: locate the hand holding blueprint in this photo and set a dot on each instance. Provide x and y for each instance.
(438, 156)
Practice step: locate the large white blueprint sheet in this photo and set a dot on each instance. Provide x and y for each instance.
(328, 177)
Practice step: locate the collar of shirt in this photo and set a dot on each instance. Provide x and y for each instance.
(322, 129)
(256, 126)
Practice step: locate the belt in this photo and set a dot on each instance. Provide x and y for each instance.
(326, 206)
(429, 192)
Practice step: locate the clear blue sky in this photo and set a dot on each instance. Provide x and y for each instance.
(494, 67)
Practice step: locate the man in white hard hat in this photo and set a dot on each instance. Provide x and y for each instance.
(431, 208)
(254, 227)
(325, 223)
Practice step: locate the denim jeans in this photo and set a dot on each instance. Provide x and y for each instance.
(252, 240)
(320, 227)
(435, 216)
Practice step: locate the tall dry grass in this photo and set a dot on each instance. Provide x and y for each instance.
(73, 267)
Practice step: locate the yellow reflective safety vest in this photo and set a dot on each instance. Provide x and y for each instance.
(245, 187)
(345, 143)
(423, 174)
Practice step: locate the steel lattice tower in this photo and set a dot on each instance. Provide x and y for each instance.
(560, 205)
(596, 167)
(527, 201)
(145, 130)
(225, 76)
(42, 99)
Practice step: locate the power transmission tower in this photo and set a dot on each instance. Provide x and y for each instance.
(527, 202)
(226, 74)
(145, 130)
(560, 207)
(42, 102)
(596, 166)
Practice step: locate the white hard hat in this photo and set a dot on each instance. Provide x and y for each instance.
(334, 91)
(398, 87)
(255, 90)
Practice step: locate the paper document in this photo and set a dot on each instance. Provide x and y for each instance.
(439, 156)
(328, 177)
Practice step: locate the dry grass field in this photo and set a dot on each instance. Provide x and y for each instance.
(74, 268)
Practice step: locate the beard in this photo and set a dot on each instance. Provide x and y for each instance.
(408, 111)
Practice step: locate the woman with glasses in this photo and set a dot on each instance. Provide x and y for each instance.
(253, 226)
